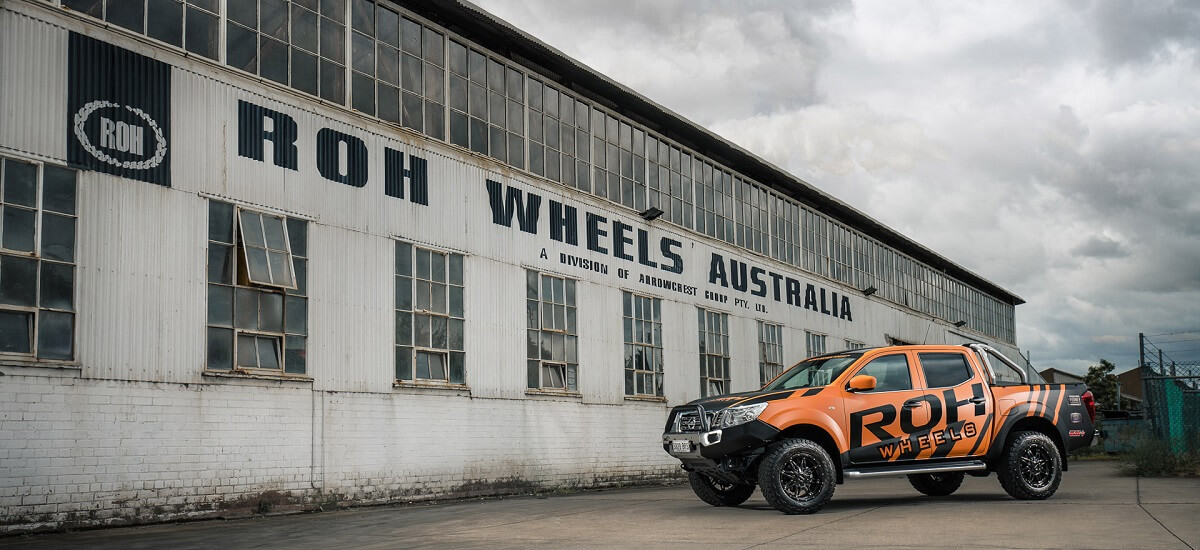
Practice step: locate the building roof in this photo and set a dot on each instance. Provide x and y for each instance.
(503, 38)
(1054, 375)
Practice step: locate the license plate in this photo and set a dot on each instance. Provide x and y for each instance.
(681, 446)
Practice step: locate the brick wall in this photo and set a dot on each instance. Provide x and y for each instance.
(82, 452)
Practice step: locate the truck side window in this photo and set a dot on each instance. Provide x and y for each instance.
(890, 372)
(1005, 374)
(943, 370)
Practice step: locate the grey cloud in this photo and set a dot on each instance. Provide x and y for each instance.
(1137, 32)
(1053, 148)
(1101, 247)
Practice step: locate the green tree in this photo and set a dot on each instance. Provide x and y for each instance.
(1103, 384)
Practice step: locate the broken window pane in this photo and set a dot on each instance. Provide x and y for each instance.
(220, 263)
(247, 352)
(268, 352)
(58, 286)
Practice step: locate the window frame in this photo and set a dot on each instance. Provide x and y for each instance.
(36, 313)
(971, 372)
(407, 274)
(908, 367)
(536, 367)
(766, 328)
(239, 284)
(723, 359)
(634, 376)
(810, 338)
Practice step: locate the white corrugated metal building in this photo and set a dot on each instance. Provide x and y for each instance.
(301, 252)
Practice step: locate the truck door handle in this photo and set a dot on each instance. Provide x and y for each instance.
(913, 403)
(978, 400)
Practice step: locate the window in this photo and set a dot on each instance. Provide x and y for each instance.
(619, 161)
(943, 370)
(559, 141)
(785, 230)
(890, 372)
(411, 56)
(429, 315)
(853, 345)
(292, 42)
(770, 351)
(714, 202)
(487, 105)
(37, 260)
(1006, 375)
(814, 344)
(714, 352)
(190, 24)
(642, 320)
(752, 201)
(257, 291)
(669, 179)
(553, 358)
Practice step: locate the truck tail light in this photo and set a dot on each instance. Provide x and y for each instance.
(1089, 403)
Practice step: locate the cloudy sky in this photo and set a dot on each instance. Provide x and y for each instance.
(1052, 147)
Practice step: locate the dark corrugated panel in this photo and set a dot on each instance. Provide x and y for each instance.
(497, 35)
(118, 111)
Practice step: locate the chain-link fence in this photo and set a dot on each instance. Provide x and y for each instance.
(1171, 390)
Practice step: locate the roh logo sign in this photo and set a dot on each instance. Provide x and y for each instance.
(117, 135)
(120, 111)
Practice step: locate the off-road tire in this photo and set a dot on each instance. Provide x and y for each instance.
(797, 476)
(1030, 468)
(937, 485)
(717, 493)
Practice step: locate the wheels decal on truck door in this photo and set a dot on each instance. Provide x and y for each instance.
(903, 435)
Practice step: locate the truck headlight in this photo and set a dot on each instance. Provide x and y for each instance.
(737, 415)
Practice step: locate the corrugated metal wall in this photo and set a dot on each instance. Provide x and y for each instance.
(140, 280)
(142, 287)
(33, 90)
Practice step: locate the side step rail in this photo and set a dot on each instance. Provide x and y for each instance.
(917, 469)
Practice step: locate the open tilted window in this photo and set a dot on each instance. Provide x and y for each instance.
(257, 295)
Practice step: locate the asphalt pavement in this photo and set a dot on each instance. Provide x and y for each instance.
(1094, 508)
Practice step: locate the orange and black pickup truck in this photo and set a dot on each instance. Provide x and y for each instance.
(934, 413)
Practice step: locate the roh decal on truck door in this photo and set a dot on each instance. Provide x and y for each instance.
(911, 438)
(119, 111)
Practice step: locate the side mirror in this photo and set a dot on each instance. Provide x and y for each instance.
(862, 382)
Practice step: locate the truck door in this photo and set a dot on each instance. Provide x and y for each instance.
(876, 420)
(962, 405)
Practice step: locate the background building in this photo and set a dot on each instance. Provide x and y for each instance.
(301, 252)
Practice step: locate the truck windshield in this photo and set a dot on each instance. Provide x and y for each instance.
(811, 373)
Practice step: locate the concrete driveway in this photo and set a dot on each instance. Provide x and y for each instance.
(1094, 508)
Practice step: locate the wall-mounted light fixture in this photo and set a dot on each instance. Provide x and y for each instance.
(960, 324)
(869, 291)
(651, 213)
